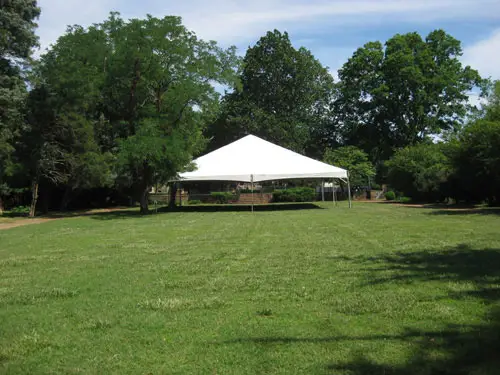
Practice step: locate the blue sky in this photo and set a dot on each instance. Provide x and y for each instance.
(332, 29)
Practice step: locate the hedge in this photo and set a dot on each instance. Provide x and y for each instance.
(304, 194)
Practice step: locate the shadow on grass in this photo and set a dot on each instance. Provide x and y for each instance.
(465, 211)
(472, 349)
(127, 214)
(451, 350)
(246, 208)
(444, 209)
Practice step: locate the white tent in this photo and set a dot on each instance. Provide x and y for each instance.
(252, 159)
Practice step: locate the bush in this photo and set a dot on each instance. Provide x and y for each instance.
(405, 200)
(20, 210)
(247, 191)
(420, 172)
(390, 196)
(194, 201)
(304, 194)
(221, 197)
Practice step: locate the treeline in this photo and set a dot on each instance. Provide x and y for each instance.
(120, 106)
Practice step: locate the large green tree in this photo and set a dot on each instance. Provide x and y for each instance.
(17, 38)
(74, 70)
(420, 171)
(42, 143)
(284, 96)
(146, 88)
(476, 156)
(356, 161)
(398, 95)
(160, 96)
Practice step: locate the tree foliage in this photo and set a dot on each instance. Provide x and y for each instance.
(395, 96)
(420, 171)
(17, 38)
(140, 91)
(284, 96)
(353, 159)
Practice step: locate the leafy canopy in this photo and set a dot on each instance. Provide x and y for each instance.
(284, 96)
(353, 159)
(395, 96)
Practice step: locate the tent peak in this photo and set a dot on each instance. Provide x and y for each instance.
(253, 156)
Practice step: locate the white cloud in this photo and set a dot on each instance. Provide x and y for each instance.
(242, 21)
(485, 55)
(58, 14)
(231, 21)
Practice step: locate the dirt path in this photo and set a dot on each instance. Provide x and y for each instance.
(39, 220)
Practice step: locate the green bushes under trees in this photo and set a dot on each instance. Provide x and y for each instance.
(222, 197)
(419, 172)
(304, 194)
(390, 196)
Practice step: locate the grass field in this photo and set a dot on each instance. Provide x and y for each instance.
(378, 289)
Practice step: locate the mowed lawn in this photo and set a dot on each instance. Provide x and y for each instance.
(378, 289)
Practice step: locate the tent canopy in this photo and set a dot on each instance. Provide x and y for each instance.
(254, 159)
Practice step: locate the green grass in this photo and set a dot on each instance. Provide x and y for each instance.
(378, 289)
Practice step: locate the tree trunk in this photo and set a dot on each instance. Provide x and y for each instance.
(1, 206)
(66, 198)
(45, 196)
(173, 194)
(34, 197)
(144, 200)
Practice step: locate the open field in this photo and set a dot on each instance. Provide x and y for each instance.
(379, 289)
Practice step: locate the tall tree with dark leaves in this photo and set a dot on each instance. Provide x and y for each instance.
(160, 96)
(75, 69)
(42, 147)
(17, 39)
(284, 96)
(399, 95)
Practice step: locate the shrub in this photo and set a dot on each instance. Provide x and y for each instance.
(221, 197)
(20, 210)
(247, 191)
(420, 171)
(405, 200)
(194, 201)
(304, 194)
(390, 196)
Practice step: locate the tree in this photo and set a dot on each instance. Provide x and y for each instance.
(492, 108)
(399, 95)
(353, 159)
(284, 96)
(420, 171)
(17, 38)
(476, 157)
(41, 147)
(136, 94)
(160, 86)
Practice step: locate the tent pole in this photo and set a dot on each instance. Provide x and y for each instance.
(333, 193)
(349, 191)
(322, 190)
(180, 194)
(251, 179)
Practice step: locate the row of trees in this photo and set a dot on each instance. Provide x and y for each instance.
(128, 104)
(464, 167)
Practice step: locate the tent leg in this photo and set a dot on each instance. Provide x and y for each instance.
(252, 190)
(333, 193)
(349, 191)
(180, 195)
(322, 190)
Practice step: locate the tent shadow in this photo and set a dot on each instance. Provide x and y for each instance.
(244, 208)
